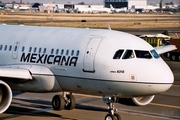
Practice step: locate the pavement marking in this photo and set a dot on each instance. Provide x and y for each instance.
(163, 105)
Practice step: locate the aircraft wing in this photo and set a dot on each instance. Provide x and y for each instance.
(164, 49)
(15, 73)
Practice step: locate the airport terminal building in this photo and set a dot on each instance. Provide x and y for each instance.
(129, 4)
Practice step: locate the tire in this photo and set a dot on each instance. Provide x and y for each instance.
(179, 58)
(110, 117)
(167, 55)
(173, 57)
(58, 102)
(71, 102)
(117, 116)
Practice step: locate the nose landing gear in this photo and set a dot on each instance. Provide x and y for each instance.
(110, 101)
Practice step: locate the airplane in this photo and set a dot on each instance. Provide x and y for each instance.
(93, 9)
(24, 7)
(112, 64)
(117, 10)
(83, 10)
(57, 9)
(101, 10)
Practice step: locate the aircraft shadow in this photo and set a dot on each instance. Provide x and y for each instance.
(20, 107)
(15, 93)
(89, 107)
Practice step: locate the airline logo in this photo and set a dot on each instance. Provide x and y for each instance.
(49, 59)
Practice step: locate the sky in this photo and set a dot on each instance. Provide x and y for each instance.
(86, 1)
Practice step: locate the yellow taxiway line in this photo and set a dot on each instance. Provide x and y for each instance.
(163, 105)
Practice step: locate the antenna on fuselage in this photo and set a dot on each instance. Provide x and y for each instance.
(109, 27)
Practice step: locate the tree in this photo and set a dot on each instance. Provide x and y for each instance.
(81, 3)
(13, 2)
(166, 32)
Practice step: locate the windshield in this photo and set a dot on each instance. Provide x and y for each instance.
(118, 54)
(129, 54)
(155, 54)
(143, 54)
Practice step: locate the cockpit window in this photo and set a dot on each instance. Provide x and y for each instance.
(143, 54)
(155, 54)
(128, 54)
(118, 54)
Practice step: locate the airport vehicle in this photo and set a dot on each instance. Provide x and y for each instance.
(78, 60)
(175, 54)
(155, 40)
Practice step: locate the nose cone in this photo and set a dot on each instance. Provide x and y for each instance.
(164, 77)
(165, 74)
(156, 74)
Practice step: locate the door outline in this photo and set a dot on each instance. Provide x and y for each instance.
(90, 54)
(15, 50)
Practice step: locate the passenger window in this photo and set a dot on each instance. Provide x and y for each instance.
(62, 51)
(30, 49)
(128, 54)
(1, 47)
(52, 51)
(67, 52)
(15, 49)
(23, 48)
(39, 50)
(44, 50)
(35, 50)
(118, 54)
(155, 54)
(72, 52)
(10, 48)
(5, 48)
(77, 53)
(57, 51)
(143, 54)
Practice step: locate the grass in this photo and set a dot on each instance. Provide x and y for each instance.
(117, 21)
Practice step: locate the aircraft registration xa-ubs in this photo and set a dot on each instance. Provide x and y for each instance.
(106, 63)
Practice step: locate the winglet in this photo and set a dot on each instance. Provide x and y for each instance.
(109, 27)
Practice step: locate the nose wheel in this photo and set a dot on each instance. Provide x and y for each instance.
(110, 101)
(113, 117)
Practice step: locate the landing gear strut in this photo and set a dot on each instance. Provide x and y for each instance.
(110, 101)
(66, 101)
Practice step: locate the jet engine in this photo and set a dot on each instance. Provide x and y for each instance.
(136, 101)
(5, 96)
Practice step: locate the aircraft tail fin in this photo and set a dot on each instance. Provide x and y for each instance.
(109, 27)
(111, 6)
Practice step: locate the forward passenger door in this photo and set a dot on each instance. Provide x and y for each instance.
(90, 53)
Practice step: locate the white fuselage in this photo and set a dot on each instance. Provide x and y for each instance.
(81, 61)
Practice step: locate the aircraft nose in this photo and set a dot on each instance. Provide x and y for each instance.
(164, 78)
(166, 74)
